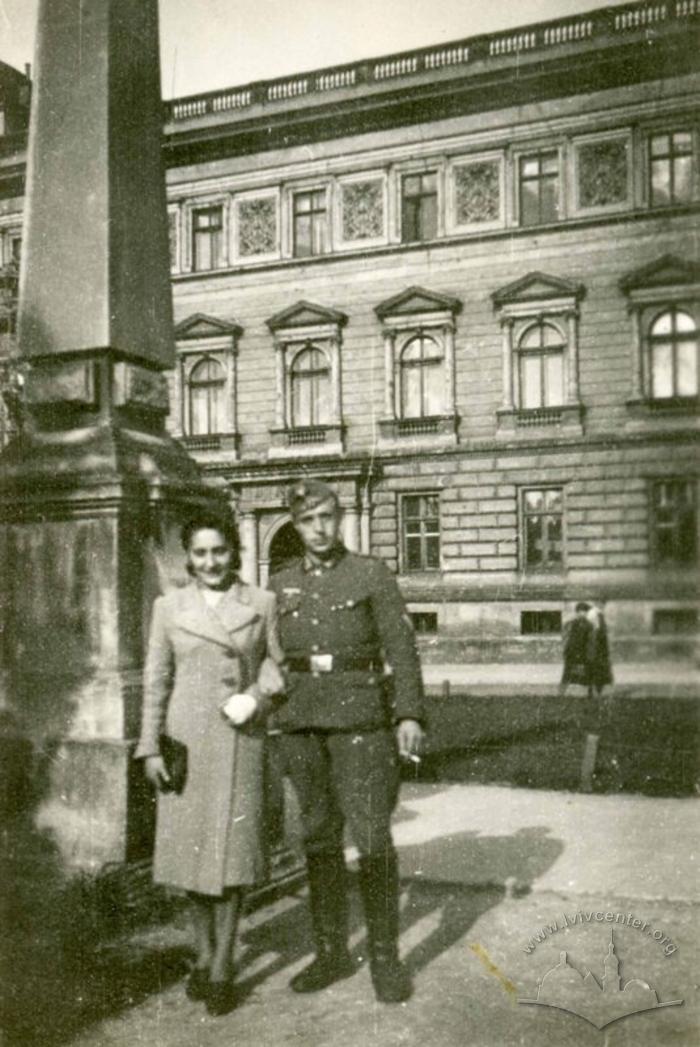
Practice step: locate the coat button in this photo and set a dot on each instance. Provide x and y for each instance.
(295, 614)
(314, 621)
(314, 646)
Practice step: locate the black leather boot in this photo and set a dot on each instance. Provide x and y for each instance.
(329, 918)
(379, 886)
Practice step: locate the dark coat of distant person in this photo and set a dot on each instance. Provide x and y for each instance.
(578, 637)
(599, 664)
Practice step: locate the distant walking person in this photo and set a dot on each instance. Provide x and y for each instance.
(578, 639)
(599, 666)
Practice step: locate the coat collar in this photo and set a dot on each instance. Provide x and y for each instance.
(325, 565)
(218, 624)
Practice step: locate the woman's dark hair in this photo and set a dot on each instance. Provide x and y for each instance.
(214, 520)
(582, 606)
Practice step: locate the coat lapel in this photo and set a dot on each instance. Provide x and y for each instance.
(216, 624)
(236, 609)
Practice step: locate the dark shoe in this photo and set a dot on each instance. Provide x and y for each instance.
(390, 979)
(326, 969)
(220, 998)
(197, 985)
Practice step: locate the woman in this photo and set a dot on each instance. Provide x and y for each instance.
(577, 636)
(212, 644)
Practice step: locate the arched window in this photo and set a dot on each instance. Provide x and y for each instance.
(541, 366)
(421, 378)
(673, 355)
(206, 386)
(310, 378)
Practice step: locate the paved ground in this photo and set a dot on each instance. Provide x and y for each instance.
(639, 678)
(484, 869)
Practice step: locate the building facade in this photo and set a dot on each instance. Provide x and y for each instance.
(461, 284)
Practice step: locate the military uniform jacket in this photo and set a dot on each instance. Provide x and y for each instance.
(345, 619)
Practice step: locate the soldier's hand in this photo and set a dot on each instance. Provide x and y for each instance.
(154, 767)
(410, 737)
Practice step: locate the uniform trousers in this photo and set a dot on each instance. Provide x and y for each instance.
(344, 776)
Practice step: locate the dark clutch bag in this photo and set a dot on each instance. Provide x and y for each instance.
(174, 755)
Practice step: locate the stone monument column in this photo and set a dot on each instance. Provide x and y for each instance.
(92, 496)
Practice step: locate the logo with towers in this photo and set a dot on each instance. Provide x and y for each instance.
(565, 987)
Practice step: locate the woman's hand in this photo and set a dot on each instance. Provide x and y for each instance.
(154, 767)
(410, 738)
(239, 709)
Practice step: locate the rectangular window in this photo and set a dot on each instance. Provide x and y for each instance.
(310, 223)
(539, 188)
(543, 528)
(674, 621)
(671, 168)
(421, 532)
(419, 207)
(207, 238)
(425, 622)
(674, 522)
(540, 623)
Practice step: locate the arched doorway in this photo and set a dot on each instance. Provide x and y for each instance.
(285, 546)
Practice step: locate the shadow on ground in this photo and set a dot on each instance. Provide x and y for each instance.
(63, 985)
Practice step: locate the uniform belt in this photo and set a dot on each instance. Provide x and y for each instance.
(338, 662)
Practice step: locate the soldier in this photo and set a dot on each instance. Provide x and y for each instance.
(344, 725)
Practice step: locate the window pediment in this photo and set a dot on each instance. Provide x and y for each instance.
(416, 300)
(666, 272)
(538, 286)
(306, 314)
(201, 326)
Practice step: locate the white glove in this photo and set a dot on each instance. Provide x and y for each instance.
(239, 708)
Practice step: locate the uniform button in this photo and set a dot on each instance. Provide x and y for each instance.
(314, 646)
(317, 573)
(314, 621)
(295, 614)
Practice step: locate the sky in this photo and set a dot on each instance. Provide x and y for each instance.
(209, 44)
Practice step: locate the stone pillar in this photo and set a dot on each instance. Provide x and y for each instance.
(389, 376)
(507, 361)
(232, 398)
(92, 498)
(450, 399)
(336, 388)
(572, 393)
(280, 384)
(637, 358)
(351, 528)
(365, 518)
(264, 573)
(249, 548)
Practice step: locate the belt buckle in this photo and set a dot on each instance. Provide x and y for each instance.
(321, 663)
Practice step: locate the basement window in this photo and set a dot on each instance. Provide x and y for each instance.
(540, 623)
(674, 621)
(425, 623)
